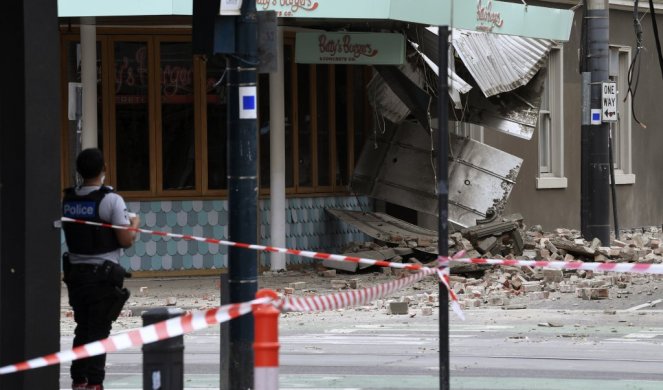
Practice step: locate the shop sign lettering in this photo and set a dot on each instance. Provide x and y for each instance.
(285, 8)
(486, 18)
(131, 77)
(350, 48)
(344, 47)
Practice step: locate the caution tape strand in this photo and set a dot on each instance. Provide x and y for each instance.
(137, 337)
(202, 319)
(264, 248)
(643, 268)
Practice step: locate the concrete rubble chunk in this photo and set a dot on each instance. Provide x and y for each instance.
(339, 283)
(473, 302)
(588, 293)
(297, 285)
(398, 308)
(595, 244)
(552, 275)
(498, 301)
(551, 247)
(486, 245)
(532, 286)
(619, 243)
(171, 301)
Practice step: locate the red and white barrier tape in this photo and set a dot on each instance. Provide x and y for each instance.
(571, 265)
(444, 273)
(309, 254)
(201, 319)
(352, 297)
(642, 268)
(315, 255)
(135, 338)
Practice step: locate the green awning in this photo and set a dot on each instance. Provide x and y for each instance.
(483, 15)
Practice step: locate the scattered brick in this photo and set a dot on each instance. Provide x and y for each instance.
(339, 283)
(298, 285)
(398, 308)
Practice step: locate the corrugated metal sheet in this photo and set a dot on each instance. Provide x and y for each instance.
(500, 63)
(455, 82)
(385, 100)
(400, 170)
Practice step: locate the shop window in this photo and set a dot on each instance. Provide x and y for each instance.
(341, 115)
(154, 120)
(620, 58)
(178, 154)
(164, 127)
(323, 123)
(304, 126)
(131, 116)
(217, 122)
(263, 130)
(551, 125)
(288, 82)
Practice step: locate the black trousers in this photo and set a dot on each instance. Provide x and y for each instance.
(92, 297)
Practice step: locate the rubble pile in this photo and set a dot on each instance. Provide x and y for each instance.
(507, 238)
(500, 284)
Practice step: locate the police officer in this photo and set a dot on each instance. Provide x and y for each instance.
(92, 272)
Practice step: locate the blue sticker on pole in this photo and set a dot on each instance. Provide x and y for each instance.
(248, 107)
(596, 117)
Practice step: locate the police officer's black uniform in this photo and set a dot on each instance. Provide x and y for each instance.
(96, 291)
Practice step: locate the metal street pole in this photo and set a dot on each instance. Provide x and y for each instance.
(595, 192)
(242, 190)
(30, 190)
(443, 196)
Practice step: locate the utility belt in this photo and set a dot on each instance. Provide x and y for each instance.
(108, 271)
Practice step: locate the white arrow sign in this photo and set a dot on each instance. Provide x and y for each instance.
(609, 102)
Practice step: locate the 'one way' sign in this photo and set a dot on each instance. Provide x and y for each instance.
(609, 102)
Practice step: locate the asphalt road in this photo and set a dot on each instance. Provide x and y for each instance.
(493, 349)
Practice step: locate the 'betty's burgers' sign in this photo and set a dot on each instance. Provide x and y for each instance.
(350, 48)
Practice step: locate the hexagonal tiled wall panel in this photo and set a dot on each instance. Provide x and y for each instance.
(308, 227)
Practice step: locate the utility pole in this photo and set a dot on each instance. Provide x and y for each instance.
(595, 191)
(443, 195)
(29, 191)
(242, 190)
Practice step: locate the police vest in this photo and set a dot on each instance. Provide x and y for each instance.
(87, 239)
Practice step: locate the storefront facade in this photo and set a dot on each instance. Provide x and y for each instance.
(161, 122)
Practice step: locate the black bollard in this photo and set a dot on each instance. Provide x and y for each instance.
(163, 361)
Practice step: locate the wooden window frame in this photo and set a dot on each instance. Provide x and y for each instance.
(107, 37)
(151, 99)
(159, 152)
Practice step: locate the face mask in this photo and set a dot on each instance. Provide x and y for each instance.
(103, 178)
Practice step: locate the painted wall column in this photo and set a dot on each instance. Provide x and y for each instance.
(89, 82)
(277, 158)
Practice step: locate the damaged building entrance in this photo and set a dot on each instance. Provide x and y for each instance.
(397, 163)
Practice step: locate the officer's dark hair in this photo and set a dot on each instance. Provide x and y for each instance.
(90, 163)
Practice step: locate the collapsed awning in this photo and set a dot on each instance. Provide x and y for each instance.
(499, 63)
(507, 72)
(398, 167)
